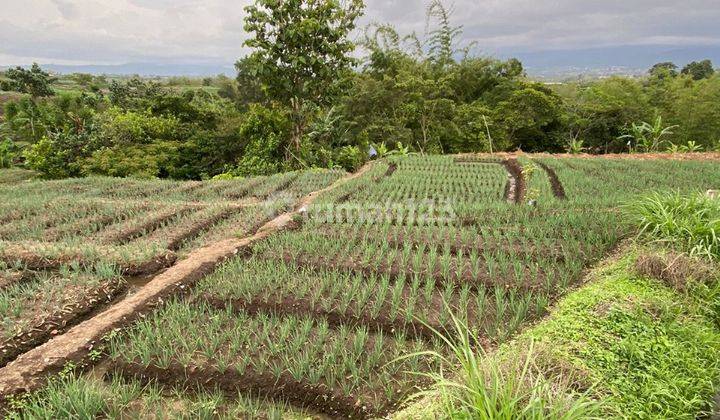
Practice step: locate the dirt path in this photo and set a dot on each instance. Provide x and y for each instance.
(29, 371)
(515, 190)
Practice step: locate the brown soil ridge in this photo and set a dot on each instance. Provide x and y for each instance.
(258, 384)
(30, 260)
(29, 371)
(390, 170)
(133, 232)
(290, 306)
(515, 190)
(557, 187)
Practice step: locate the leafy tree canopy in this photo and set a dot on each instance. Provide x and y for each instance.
(301, 51)
(35, 81)
(699, 70)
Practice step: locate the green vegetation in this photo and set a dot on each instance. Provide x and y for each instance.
(338, 314)
(72, 396)
(294, 107)
(640, 341)
(665, 363)
(690, 223)
(637, 347)
(136, 225)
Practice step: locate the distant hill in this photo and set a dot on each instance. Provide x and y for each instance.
(612, 60)
(145, 69)
(551, 63)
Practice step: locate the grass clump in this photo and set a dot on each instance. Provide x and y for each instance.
(690, 223)
(511, 384)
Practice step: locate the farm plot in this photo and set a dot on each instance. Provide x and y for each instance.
(35, 306)
(68, 247)
(137, 225)
(332, 317)
(436, 180)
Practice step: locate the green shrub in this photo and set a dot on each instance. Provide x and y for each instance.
(56, 157)
(7, 153)
(349, 157)
(264, 132)
(156, 160)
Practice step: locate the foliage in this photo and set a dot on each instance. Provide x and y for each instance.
(699, 70)
(663, 70)
(35, 81)
(58, 155)
(648, 137)
(262, 131)
(425, 91)
(488, 390)
(689, 222)
(575, 146)
(650, 351)
(690, 147)
(154, 160)
(301, 51)
(528, 119)
(7, 153)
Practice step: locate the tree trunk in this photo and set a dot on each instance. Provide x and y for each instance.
(298, 129)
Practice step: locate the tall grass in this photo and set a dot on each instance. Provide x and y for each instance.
(484, 386)
(688, 222)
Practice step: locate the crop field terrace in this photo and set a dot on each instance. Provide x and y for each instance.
(67, 248)
(329, 318)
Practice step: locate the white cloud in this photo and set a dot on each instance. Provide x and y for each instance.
(210, 31)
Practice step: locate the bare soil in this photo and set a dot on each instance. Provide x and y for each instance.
(515, 191)
(43, 327)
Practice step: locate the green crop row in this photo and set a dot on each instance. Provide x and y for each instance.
(89, 397)
(27, 303)
(348, 362)
(407, 303)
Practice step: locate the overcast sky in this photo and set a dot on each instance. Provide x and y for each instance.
(210, 31)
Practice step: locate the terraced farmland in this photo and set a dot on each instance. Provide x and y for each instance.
(69, 247)
(329, 317)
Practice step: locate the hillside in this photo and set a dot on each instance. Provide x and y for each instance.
(311, 293)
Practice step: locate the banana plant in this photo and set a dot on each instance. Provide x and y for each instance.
(648, 137)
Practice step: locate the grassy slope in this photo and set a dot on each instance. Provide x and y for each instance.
(646, 350)
(16, 175)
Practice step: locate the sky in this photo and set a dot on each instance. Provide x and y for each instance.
(211, 31)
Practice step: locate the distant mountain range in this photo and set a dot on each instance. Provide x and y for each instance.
(612, 60)
(550, 63)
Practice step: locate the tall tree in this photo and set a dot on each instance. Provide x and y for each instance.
(699, 69)
(301, 52)
(35, 81)
(662, 70)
